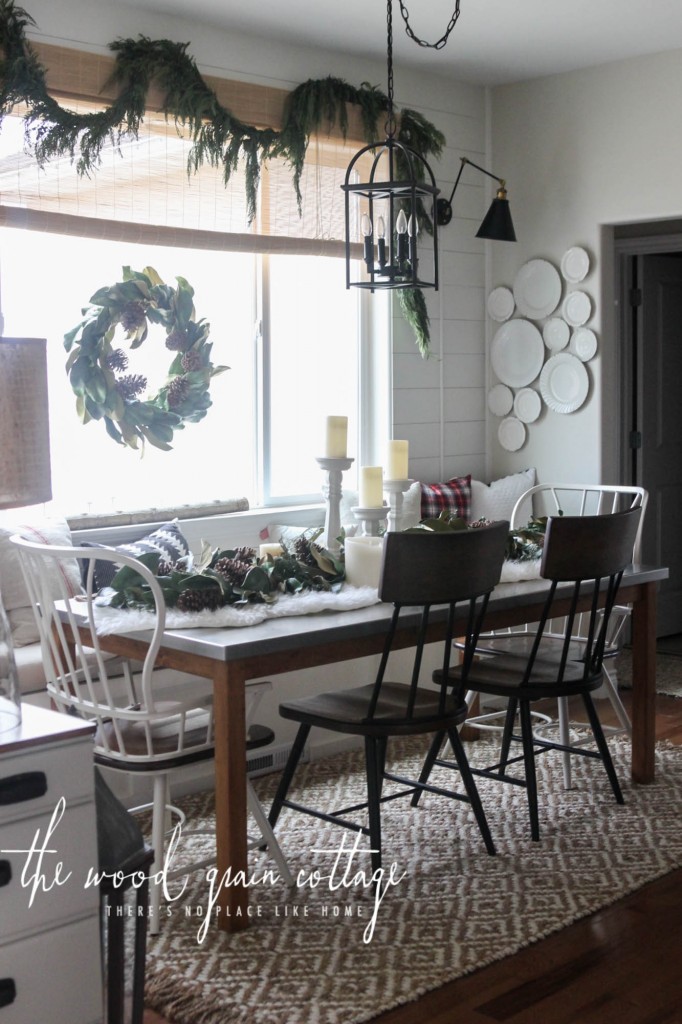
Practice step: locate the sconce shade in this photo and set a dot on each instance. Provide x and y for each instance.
(24, 428)
(497, 223)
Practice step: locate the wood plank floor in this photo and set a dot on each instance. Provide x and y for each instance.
(622, 965)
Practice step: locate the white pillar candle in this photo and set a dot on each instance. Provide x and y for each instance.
(398, 457)
(276, 550)
(337, 437)
(363, 561)
(371, 487)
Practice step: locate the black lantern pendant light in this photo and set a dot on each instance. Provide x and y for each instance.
(389, 207)
(400, 196)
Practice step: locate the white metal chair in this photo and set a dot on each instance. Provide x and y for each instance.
(142, 726)
(573, 500)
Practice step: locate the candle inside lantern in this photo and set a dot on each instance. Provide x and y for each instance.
(337, 437)
(276, 550)
(371, 487)
(398, 456)
(363, 561)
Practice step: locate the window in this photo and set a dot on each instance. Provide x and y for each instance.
(299, 346)
(265, 427)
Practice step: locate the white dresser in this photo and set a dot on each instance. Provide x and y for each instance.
(50, 963)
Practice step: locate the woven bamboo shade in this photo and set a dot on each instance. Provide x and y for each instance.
(142, 190)
(25, 449)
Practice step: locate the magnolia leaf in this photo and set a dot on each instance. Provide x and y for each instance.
(152, 275)
(256, 579)
(206, 555)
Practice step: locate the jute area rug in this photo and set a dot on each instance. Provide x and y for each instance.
(668, 672)
(326, 954)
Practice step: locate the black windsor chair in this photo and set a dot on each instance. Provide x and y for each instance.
(589, 552)
(419, 570)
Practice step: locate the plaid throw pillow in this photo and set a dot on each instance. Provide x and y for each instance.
(453, 496)
(168, 540)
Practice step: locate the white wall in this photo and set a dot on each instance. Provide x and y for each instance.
(581, 151)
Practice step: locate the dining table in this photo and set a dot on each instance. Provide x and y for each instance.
(233, 656)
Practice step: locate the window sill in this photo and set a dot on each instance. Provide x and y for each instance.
(199, 523)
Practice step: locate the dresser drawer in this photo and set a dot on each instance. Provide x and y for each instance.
(54, 977)
(75, 842)
(32, 780)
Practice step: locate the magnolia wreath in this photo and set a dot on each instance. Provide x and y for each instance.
(98, 371)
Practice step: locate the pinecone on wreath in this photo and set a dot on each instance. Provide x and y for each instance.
(190, 600)
(191, 361)
(177, 340)
(131, 386)
(133, 316)
(178, 390)
(117, 360)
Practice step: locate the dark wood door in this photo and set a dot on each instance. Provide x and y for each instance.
(659, 422)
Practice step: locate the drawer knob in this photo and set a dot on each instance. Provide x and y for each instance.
(5, 873)
(25, 786)
(8, 991)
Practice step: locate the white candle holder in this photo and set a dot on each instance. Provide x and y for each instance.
(332, 491)
(395, 490)
(370, 518)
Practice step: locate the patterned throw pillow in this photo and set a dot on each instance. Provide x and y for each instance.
(453, 496)
(168, 540)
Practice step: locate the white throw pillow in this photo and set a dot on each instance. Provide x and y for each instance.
(12, 586)
(496, 500)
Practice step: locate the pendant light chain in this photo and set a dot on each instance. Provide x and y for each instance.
(422, 42)
(390, 123)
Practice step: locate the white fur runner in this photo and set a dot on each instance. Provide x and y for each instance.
(123, 620)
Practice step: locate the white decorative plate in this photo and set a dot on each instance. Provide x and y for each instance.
(575, 264)
(556, 333)
(577, 308)
(537, 289)
(564, 383)
(500, 304)
(527, 405)
(517, 353)
(511, 434)
(500, 400)
(583, 343)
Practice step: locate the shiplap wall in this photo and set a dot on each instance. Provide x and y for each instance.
(439, 403)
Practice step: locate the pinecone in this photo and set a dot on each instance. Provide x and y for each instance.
(178, 390)
(177, 340)
(131, 386)
(133, 316)
(303, 551)
(165, 567)
(244, 554)
(117, 360)
(196, 600)
(232, 569)
(191, 361)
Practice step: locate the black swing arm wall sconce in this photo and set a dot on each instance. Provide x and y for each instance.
(497, 223)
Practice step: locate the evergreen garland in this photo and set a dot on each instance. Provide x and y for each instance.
(218, 138)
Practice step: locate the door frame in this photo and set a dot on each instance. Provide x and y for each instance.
(625, 247)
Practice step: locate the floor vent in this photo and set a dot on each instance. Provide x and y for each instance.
(272, 760)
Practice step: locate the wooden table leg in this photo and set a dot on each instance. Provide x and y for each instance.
(231, 906)
(644, 684)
